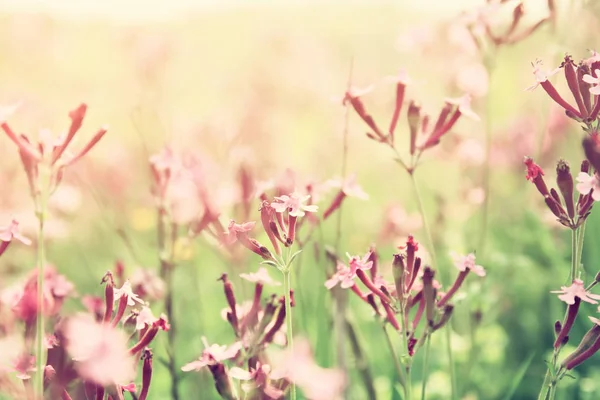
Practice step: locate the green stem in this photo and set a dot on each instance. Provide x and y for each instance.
(574, 248)
(425, 368)
(545, 386)
(287, 285)
(396, 359)
(448, 331)
(580, 237)
(41, 256)
(424, 218)
(489, 62)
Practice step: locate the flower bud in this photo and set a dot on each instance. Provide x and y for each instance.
(564, 180)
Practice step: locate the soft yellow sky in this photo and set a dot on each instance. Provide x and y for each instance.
(149, 10)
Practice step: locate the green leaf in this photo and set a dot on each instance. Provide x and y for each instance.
(518, 377)
(293, 257)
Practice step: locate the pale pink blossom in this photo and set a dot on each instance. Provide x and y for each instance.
(587, 183)
(360, 263)
(349, 186)
(144, 318)
(294, 204)
(10, 232)
(299, 366)
(343, 275)
(540, 75)
(147, 284)
(595, 82)
(100, 352)
(467, 262)
(402, 77)
(233, 230)
(23, 365)
(127, 291)
(463, 104)
(212, 355)
(261, 276)
(260, 377)
(569, 293)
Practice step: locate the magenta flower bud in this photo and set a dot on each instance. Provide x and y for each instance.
(360, 109)
(564, 180)
(589, 345)
(585, 166)
(390, 316)
(557, 327)
(573, 83)
(374, 258)
(291, 234)
(446, 314)
(414, 120)
(335, 204)
(535, 174)
(371, 286)
(370, 298)
(429, 294)
(554, 95)
(415, 273)
(418, 314)
(584, 87)
(568, 324)
(109, 295)
(455, 286)
(146, 373)
(222, 381)
(266, 217)
(398, 271)
(400, 90)
(230, 296)
(279, 321)
(592, 150)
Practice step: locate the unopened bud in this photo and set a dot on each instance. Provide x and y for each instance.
(564, 180)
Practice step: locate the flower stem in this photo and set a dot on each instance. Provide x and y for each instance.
(287, 285)
(580, 236)
(425, 368)
(545, 386)
(41, 256)
(574, 250)
(397, 365)
(424, 218)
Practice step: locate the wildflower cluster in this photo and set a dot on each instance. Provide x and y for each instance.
(258, 325)
(414, 291)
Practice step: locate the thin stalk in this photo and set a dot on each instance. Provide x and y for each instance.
(40, 361)
(488, 153)
(580, 237)
(287, 285)
(447, 330)
(395, 357)
(574, 249)
(545, 386)
(425, 368)
(341, 300)
(426, 227)
(361, 363)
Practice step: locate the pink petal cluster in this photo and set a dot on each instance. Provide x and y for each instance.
(569, 293)
(467, 262)
(294, 203)
(212, 355)
(587, 183)
(261, 276)
(100, 352)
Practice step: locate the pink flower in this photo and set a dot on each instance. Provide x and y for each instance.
(299, 366)
(595, 89)
(587, 183)
(464, 106)
(293, 203)
(260, 377)
(468, 262)
(127, 291)
(577, 289)
(147, 284)
(360, 263)
(100, 352)
(349, 187)
(261, 276)
(343, 275)
(23, 365)
(540, 76)
(212, 355)
(145, 318)
(235, 229)
(8, 233)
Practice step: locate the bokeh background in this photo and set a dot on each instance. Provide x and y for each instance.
(259, 85)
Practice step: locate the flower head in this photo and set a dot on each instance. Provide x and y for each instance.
(587, 183)
(100, 352)
(261, 276)
(594, 81)
(360, 263)
(8, 233)
(233, 230)
(212, 355)
(467, 262)
(569, 293)
(343, 275)
(464, 106)
(127, 291)
(294, 204)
